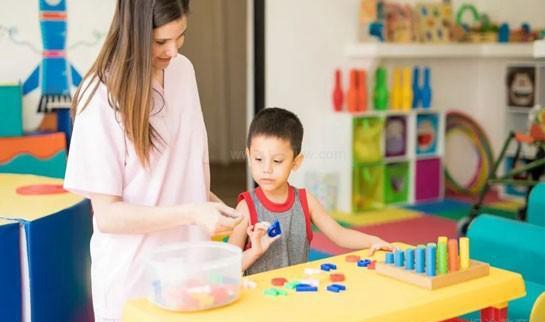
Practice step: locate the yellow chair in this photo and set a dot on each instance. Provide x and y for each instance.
(538, 311)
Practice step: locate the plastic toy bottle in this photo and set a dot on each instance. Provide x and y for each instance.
(406, 91)
(362, 91)
(416, 88)
(352, 94)
(426, 93)
(338, 96)
(396, 90)
(380, 93)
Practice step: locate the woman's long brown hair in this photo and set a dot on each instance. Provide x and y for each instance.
(124, 65)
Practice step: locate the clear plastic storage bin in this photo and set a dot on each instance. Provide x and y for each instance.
(194, 276)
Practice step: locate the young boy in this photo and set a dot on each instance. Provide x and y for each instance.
(273, 151)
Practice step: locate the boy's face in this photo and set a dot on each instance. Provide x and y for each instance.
(271, 161)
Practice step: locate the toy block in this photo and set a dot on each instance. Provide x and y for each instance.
(274, 229)
(306, 288)
(399, 258)
(336, 288)
(389, 258)
(364, 262)
(420, 258)
(352, 258)
(291, 285)
(430, 259)
(464, 252)
(279, 281)
(372, 265)
(409, 259)
(475, 270)
(274, 292)
(310, 281)
(312, 271)
(493, 314)
(328, 267)
(338, 277)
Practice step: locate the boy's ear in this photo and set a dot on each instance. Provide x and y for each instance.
(297, 161)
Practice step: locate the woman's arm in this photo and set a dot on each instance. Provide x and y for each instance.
(114, 216)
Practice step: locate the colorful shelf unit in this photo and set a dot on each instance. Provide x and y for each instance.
(525, 83)
(396, 158)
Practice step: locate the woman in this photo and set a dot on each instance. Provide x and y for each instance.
(139, 150)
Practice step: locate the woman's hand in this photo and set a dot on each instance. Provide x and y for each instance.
(216, 217)
(259, 238)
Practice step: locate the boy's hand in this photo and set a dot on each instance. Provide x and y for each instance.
(379, 244)
(259, 238)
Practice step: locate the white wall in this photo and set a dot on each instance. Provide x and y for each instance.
(305, 42)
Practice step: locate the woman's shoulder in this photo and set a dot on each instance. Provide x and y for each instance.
(182, 64)
(93, 98)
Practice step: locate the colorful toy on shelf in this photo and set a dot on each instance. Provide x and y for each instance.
(427, 127)
(362, 91)
(504, 33)
(11, 120)
(352, 94)
(368, 15)
(433, 266)
(396, 136)
(396, 93)
(338, 94)
(380, 93)
(406, 90)
(399, 23)
(521, 85)
(433, 22)
(425, 91)
(367, 139)
(417, 95)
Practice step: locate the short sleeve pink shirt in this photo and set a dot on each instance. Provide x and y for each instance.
(102, 160)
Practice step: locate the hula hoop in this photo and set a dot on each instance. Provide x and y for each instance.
(458, 122)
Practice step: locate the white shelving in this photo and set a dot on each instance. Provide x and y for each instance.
(539, 49)
(394, 50)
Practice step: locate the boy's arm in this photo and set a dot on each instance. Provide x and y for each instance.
(342, 237)
(239, 236)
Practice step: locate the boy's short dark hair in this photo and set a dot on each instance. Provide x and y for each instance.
(280, 123)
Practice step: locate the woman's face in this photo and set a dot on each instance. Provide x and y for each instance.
(167, 40)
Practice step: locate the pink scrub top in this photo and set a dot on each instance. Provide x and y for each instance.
(102, 160)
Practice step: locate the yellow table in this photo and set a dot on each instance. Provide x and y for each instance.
(369, 297)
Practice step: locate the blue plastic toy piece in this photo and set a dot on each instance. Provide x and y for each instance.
(399, 258)
(389, 259)
(328, 267)
(376, 29)
(274, 229)
(420, 258)
(306, 288)
(364, 262)
(336, 288)
(503, 33)
(430, 259)
(409, 259)
(425, 92)
(416, 87)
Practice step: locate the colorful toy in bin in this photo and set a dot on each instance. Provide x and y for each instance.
(194, 276)
(433, 266)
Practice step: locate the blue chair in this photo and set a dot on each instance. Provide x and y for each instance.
(516, 246)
